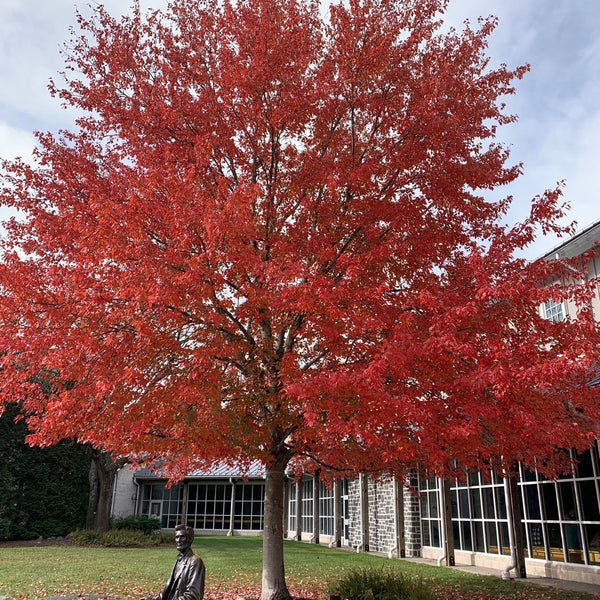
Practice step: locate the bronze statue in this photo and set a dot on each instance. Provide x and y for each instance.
(187, 579)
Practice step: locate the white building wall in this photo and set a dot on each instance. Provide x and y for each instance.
(124, 493)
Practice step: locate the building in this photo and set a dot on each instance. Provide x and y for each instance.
(215, 502)
(555, 525)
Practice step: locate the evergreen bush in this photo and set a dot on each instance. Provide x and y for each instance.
(43, 491)
(120, 538)
(144, 524)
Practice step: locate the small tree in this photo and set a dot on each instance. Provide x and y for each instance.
(266, 238)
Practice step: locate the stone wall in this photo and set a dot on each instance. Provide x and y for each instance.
(382, 523)
(354, 534)
(412, 517)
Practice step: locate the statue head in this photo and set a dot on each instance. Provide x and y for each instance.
(184, 536)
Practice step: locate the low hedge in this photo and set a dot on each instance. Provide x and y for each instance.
(121, 538)
(379, 584)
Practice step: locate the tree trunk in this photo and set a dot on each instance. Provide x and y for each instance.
(90, 520)
(274, 586)
(103, 471)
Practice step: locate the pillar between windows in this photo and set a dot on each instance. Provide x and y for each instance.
(336, 542)
(316, 508)
(298, 485)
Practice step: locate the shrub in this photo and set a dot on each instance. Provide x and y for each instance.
(379, 584)
(128, 538)
(87, 537)
(120, 538)
(144, 524)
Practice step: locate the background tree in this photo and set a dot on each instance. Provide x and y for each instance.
(267, 238)
(43, 491)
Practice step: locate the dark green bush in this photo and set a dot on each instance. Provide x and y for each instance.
(379, 584)
(121, 538)
(144, 524)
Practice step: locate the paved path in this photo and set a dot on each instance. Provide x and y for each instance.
(563, 584)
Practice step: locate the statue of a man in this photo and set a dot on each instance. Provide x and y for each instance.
(187, 579)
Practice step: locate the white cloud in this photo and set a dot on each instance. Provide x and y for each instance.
(15, 143)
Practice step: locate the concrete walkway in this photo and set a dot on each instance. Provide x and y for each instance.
(562, 584)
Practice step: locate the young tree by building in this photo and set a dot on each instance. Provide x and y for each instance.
(267, 238)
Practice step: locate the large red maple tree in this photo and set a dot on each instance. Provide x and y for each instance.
(267, 237)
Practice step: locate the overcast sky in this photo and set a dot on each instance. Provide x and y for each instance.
(556, 137)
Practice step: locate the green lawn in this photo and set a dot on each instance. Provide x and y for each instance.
(233, 568)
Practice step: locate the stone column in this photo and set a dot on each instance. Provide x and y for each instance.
(316, 508)
(412, 516)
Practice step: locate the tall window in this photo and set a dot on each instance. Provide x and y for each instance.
(326, 512)
(430, 514)
(163, 503)
(209, 505)
(249, 499)
(479, 517)
(292, 504)
(306, 487)
(562, 518)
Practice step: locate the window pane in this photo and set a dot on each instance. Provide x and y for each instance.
(589, 500)
(584, 464)
(537, 541)
(500, 502)
(476, 502)
(467, 542)
(478, 532)
(555, 542)
(488, 503)
(492, 538)
(549, 499)
(592, 533)
(532, 502)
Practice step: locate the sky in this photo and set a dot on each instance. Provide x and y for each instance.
(557, 135)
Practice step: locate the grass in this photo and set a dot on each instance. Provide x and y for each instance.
(233, 567)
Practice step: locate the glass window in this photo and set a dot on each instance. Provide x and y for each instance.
(292, 504)
(584, 463)
(555, 542)
(209, 505)
(465, 531)
(549, 500)
(307, 505)
(430, 520)
(590, 503)
(249, 506)
(326, 506)
(454, 503)
(566, 490)
(532, 502)
(162, 502)
(536, 539)
(592, 534)
(500, 502)
(478, 533)
(476, 503)
(489, 511)
(492, 537)
(463, 503)
(554, 310)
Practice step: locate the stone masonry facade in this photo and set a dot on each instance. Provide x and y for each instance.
(383, 528)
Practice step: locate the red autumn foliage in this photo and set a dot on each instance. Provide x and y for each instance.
(267, 237)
